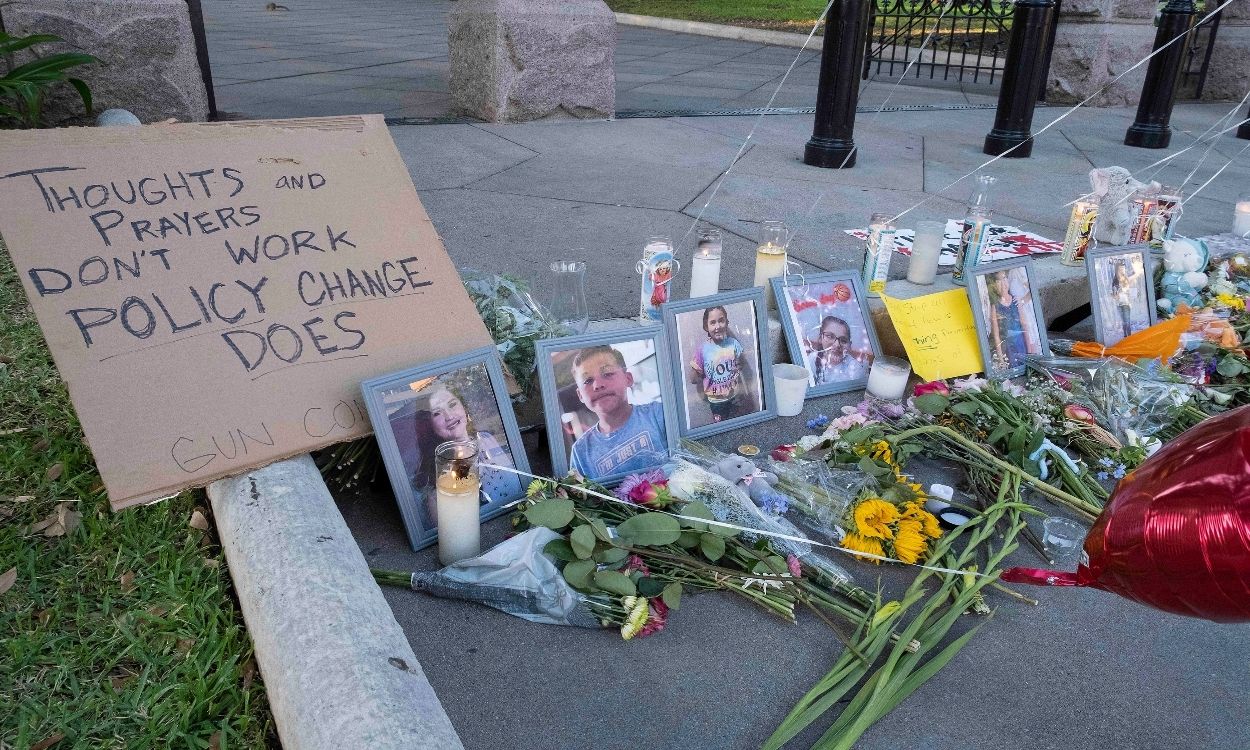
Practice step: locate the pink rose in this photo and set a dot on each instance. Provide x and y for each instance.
(937, 386)
(646, 493)
(783, 452)
(1078, 413)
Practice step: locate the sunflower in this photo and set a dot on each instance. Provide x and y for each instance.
(873, 518)
(928, 522)
(858, 543)
(910, 543)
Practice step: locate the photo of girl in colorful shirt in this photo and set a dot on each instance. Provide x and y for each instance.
(718, 367)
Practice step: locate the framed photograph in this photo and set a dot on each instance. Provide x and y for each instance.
(608, 400)
(1121, 292)
(1008, 315)
(415, 410)
(828, 329)
(719, 348)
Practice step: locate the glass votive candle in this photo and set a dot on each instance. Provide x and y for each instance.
(1241, 216)
(457, 486)
(887, 380)
(926, 248)
(1063, 539)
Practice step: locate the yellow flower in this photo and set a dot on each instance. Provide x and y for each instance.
(910, 543)
(873, 518)
(636, 618)
(857, 543)
(1228, 300)
(881, 452)
(537, 487)
(928, 522)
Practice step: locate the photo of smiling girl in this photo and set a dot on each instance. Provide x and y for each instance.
(719, 347)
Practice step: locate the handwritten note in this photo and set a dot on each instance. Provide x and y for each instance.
(938, 332)
(213, 294)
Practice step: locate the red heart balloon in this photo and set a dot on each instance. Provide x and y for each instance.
(1175, 535)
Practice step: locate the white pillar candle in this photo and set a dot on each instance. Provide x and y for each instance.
(770, 262)
(1241, 219)
(926, 248)
(705, 274)
(459, 522)
(887, 380)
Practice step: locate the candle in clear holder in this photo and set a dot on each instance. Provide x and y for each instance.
(770, 256)
(887, 380)
(926, 248)
(457, 489)
(705, 273)
(1241, 218)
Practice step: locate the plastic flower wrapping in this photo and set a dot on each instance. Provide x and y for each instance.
(514, 319)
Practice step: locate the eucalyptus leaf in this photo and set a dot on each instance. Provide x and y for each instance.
(712, 546)
(582, 540)
(578, 573)
(601, 530)
(672, 595)
(610, 555)
(614, 582)
(688, 539)
(560, 550)
(698, 510)
(1231, 366)
(965, 408)
(932, 403)
(650, 529)
(554, 513)
(649, 587)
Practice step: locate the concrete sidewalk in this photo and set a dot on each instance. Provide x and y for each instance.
(325, 57)
(1080, 671)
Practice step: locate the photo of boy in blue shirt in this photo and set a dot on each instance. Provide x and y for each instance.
(628, 437)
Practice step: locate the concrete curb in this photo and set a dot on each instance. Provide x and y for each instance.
(337, 667)
(720, 31)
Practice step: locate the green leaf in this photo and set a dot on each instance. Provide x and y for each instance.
(771, 565)
(688, 539)
(874, 469)
(614, 582)
(11, 44)
(554, 513)
(610, 555)
(1000, 432)
(650, 529)
(649, 587)
(84, 92)
(712, 546)
(698, 510)
(672, 595)
(1230, 366)
(560, 550)
(932, 403)
(601, 530)
(965, 408)
(1019, 438)
(582, 540)
(578, 573)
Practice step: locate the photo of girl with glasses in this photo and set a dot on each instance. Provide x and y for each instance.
(827, 330)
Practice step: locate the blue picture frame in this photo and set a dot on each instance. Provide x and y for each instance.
(994, 369)
(400, 450)
(763, 365)
(790, 324)
(558, 399)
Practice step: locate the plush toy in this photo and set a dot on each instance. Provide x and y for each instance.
(1184, 261)
(758, 484)
(1112, 188)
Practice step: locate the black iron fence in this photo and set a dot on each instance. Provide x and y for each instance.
(1198, 56)
(969, 39)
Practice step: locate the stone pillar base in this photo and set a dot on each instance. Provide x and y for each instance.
(1095, 41)
(519, 60)
(146, 48)
(1228, 77)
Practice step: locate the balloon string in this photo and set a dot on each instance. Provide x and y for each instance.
(759, 118)
(722, 524)
(1201, 187)
(1065, 115)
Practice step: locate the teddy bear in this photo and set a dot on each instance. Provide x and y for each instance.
(1113, 187)
(1184, 261)
(757, 483)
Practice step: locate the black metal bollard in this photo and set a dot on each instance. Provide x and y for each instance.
(832, 144)
(1031, 26)
(1158, 94)
(1244, 130)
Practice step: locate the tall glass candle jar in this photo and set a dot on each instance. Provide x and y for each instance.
(705, 272)
(770, 256)
(878, 253)
(926, 249)
(458, 486)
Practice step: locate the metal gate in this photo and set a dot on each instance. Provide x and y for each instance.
(1197, 62)
(969, 41)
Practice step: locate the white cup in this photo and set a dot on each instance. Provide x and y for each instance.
(791, 386)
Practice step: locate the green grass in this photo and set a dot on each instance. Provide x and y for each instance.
(123, 632)
(774, 14)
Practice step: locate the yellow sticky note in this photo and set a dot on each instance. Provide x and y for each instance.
(938, 332)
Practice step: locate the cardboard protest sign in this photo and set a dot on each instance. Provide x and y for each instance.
(213, 294)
